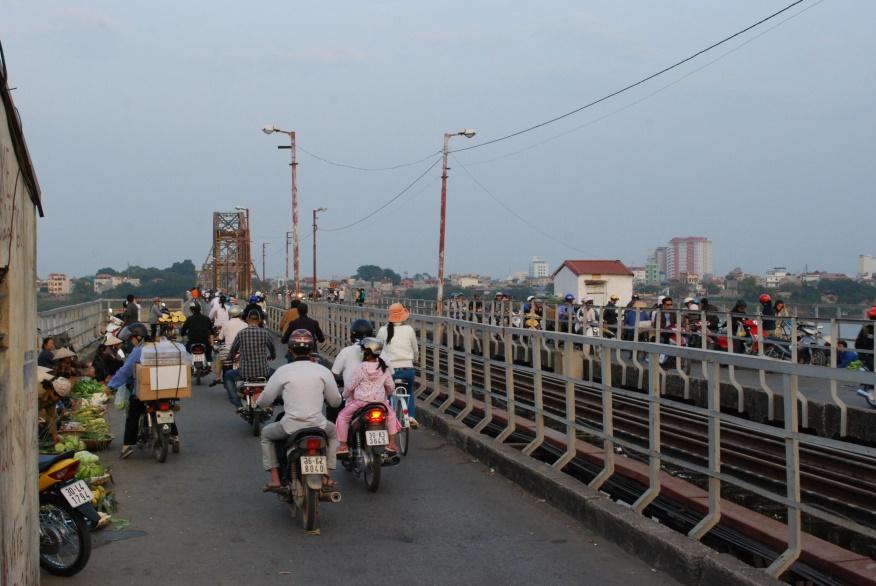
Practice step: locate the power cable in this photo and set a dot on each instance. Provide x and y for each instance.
(645, 97)
(385, 205)
(632, 85)
(508, 209)
(357, 168)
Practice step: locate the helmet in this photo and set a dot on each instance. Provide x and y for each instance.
(569, 297)
(688, 300)
(195, 307)
(741, 303)
(253, 298)
(135, 329)
(361, 328)
(871, 313)
(234, 311)
(372, 346)
(253, 313)
(530, 298)
(614, 297)
(301, 342)
(764, 298)
(588, 300)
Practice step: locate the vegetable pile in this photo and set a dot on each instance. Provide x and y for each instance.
(85, 388)
(89, 465)
(69, 443)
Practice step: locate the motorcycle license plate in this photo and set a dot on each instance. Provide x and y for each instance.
(198, 359)
(164, 417)
(314, 465)
(77, 494)
(377, 437)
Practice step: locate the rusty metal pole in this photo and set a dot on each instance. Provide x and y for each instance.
(286, 282)
(264, 274)
(444, 169)
(295, 266)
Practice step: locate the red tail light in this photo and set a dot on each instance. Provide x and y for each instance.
(313, 445)
(164, 406)
(197, 350)
(376, 416)
(65, 473)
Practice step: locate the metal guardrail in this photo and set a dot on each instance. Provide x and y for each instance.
(453, 342)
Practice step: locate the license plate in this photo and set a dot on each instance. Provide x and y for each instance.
(77, 494)
(163, 417)
(314, 465)
(198, 359)
(377, 437)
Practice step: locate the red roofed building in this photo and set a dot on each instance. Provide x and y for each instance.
(598, 279)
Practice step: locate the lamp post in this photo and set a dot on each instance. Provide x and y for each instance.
(294, 165)
(264, 274)
(447, 136)
(316, 211)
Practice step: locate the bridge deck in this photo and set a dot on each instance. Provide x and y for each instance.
(438, 518)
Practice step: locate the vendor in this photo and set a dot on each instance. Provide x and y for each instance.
(107, 360)
(47, 354)
(64, 363)
(51, 391)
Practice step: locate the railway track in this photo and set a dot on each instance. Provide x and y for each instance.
(839, 482)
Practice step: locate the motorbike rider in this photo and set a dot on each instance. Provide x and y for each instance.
(350, 357)
(254, 304)
(667, 319)
(400, 349)
(767, 311)
(199, 330)
(137, 335)
(256, 346)
(609, 315)
(864, 346)
(737, 316)
(566, 313)
(304, 322)
(371, 383)
(290, 315)
(226, 336)
(304, 386)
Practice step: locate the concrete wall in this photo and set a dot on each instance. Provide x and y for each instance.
(19, 543)
(565, 281)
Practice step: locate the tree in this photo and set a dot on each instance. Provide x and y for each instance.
(186, 268)
(107, 271)
(390, 274)
(370, 273)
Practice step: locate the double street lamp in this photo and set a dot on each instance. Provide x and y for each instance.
(468, 133)
(294, 165)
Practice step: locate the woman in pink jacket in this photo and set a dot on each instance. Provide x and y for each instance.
(371, 383)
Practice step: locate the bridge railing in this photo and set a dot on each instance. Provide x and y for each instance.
(560, 389)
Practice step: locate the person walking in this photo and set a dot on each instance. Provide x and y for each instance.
(154, 316)
(401, 351)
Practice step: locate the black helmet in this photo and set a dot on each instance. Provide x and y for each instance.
(301, 342)
(135, 329)
(361, 328)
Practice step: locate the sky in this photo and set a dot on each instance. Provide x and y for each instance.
(144, 118)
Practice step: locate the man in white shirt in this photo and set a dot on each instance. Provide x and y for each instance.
(304, 386)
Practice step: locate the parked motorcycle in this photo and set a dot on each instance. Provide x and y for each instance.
(200, 367)
(367, 439)
(155, 426)
(252, 413)
(66, 516)
(303, 464)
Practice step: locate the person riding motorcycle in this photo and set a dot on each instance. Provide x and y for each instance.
(304, 386)
(256, 347)
(350, 357)
(227, 335)
(767, 311)
(137, 334)
(199, 330)
(566, 313)
(254, 305)
(609, 316)
(304, 322)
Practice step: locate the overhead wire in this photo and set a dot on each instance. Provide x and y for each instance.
(357, 168)
(385, 205)
(511, 211)
(632, 85)
(645, 97)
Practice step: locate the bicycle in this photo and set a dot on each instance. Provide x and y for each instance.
(399, 401)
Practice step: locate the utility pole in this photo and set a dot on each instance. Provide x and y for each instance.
(316, 211)
(294, 166)
(264, 274)
(286, 282)
(447, 136)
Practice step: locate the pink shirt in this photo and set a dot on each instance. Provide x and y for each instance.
(370, 383)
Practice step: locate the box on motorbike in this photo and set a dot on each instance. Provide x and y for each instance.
(164, 382)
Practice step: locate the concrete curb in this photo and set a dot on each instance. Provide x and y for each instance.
(685, 560)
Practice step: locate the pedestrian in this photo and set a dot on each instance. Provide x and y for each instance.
(401, 351)
(131, 313)
(783, 324)
(154, 316)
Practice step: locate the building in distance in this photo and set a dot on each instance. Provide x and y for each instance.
(598, 279)
(689, 254)
(538, 268)
(866, 266)
(58, 284)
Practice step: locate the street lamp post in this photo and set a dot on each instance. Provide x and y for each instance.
(294, 165)
(316, 211)
(264, 274)
(447, 136)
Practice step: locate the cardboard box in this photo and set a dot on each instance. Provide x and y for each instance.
(164, 382)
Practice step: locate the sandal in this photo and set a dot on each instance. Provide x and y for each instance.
(329, 484)
(345, 451)
(127, 451)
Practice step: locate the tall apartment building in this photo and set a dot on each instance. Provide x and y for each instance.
(866, 266)
(691, 255)
(656, 265)
(538, 269)
(59, 284)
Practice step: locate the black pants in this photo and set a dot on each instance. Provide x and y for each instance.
(136, 408)
(208, 348)
(154, 328)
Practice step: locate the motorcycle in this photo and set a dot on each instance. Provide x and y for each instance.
(251, 413)
(66, 516)
(367, 437)
(303, 464)
(155, 426)
(675, 336)
(200, 367)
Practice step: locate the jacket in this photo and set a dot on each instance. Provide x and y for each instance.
(198, 328)
(304, 323)
(288, 317)
(370, 383)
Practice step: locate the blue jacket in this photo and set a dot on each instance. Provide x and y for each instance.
(125, 375)
(843, 359)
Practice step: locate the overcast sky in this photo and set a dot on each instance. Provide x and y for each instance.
(143, 118)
